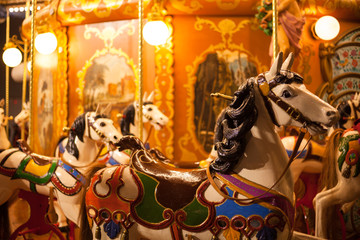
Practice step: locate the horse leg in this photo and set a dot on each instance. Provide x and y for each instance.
(5, 194)
(322, 202)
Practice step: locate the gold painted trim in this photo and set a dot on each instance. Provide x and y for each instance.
(61, 86)
(164, 91)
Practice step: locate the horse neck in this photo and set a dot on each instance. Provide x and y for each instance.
(4, 141)
(265, 157)
(88, 151)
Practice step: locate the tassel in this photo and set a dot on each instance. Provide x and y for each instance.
(214, 237)
(98, 233)
(124, 235)
(347, 172)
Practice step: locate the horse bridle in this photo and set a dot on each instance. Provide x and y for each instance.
(267, 93)
(91, 123)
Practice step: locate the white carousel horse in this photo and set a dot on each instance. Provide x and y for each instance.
(340, 179)
(20, 123)
(130, 126)
(36, 173)
(309, 159)
(308, 165)
(4, 141)
(152, 200)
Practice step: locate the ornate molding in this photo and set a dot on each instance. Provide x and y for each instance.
(164, 89)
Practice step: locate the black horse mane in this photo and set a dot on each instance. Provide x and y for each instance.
(344, 110)
(77, 130)
(232, 125)
(129, 118)
(236, 120)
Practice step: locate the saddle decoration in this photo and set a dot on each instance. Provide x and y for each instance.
(41, 173)
(350, 149)
(271, 199)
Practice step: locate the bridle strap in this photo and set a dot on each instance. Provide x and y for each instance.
(355, 109)
(252, 199)
(265, 89)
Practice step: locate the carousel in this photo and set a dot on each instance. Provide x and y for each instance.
(182, 120)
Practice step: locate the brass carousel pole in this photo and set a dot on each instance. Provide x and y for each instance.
(7, 70)
(141, 9)
(27, 13)
(32, 50)
(275, 28)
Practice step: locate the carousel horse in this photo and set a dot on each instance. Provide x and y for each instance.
(4, 141)
(246, 192)
(340, 180)
(20, 123)
(308, 165)
(129, 126)
(21, 169)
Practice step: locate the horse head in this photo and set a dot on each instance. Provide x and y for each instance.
(349, 112)
(152, 114)
(291, 102)
(23, 116)
(101, 129)
(91, 126)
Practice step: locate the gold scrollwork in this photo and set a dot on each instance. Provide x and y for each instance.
(181, 6)
(61, 87)
(226, 5)
(312, 7)
(108, 34)
(227, 28)
(164, 87)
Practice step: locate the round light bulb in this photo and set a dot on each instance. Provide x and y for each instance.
(327, 27)
(156, 32)
(46, 43)
(12, 57)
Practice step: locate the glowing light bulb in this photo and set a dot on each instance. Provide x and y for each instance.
(156, 32)
(12, 57)
(46, 43)
(327, 27)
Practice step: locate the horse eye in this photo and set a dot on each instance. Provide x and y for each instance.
(149, 109)
(286, 94)
(102, 124)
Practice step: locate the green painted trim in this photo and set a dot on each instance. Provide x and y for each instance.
(21, 174)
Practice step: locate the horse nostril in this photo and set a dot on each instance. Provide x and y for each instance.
(115, 137)
(330, 113)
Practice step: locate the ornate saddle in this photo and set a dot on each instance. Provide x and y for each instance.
(177, 186)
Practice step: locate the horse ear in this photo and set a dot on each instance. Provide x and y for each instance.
(2, 102)
(26, 105)
(151, 97)
(107, 110)
(288, 62)
(97, 109)
(144, 97)
(275, 67)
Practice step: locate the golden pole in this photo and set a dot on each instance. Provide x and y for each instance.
(141, 9)
(7, 69)
(275, 28)
(27, 14)
(32, 50)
